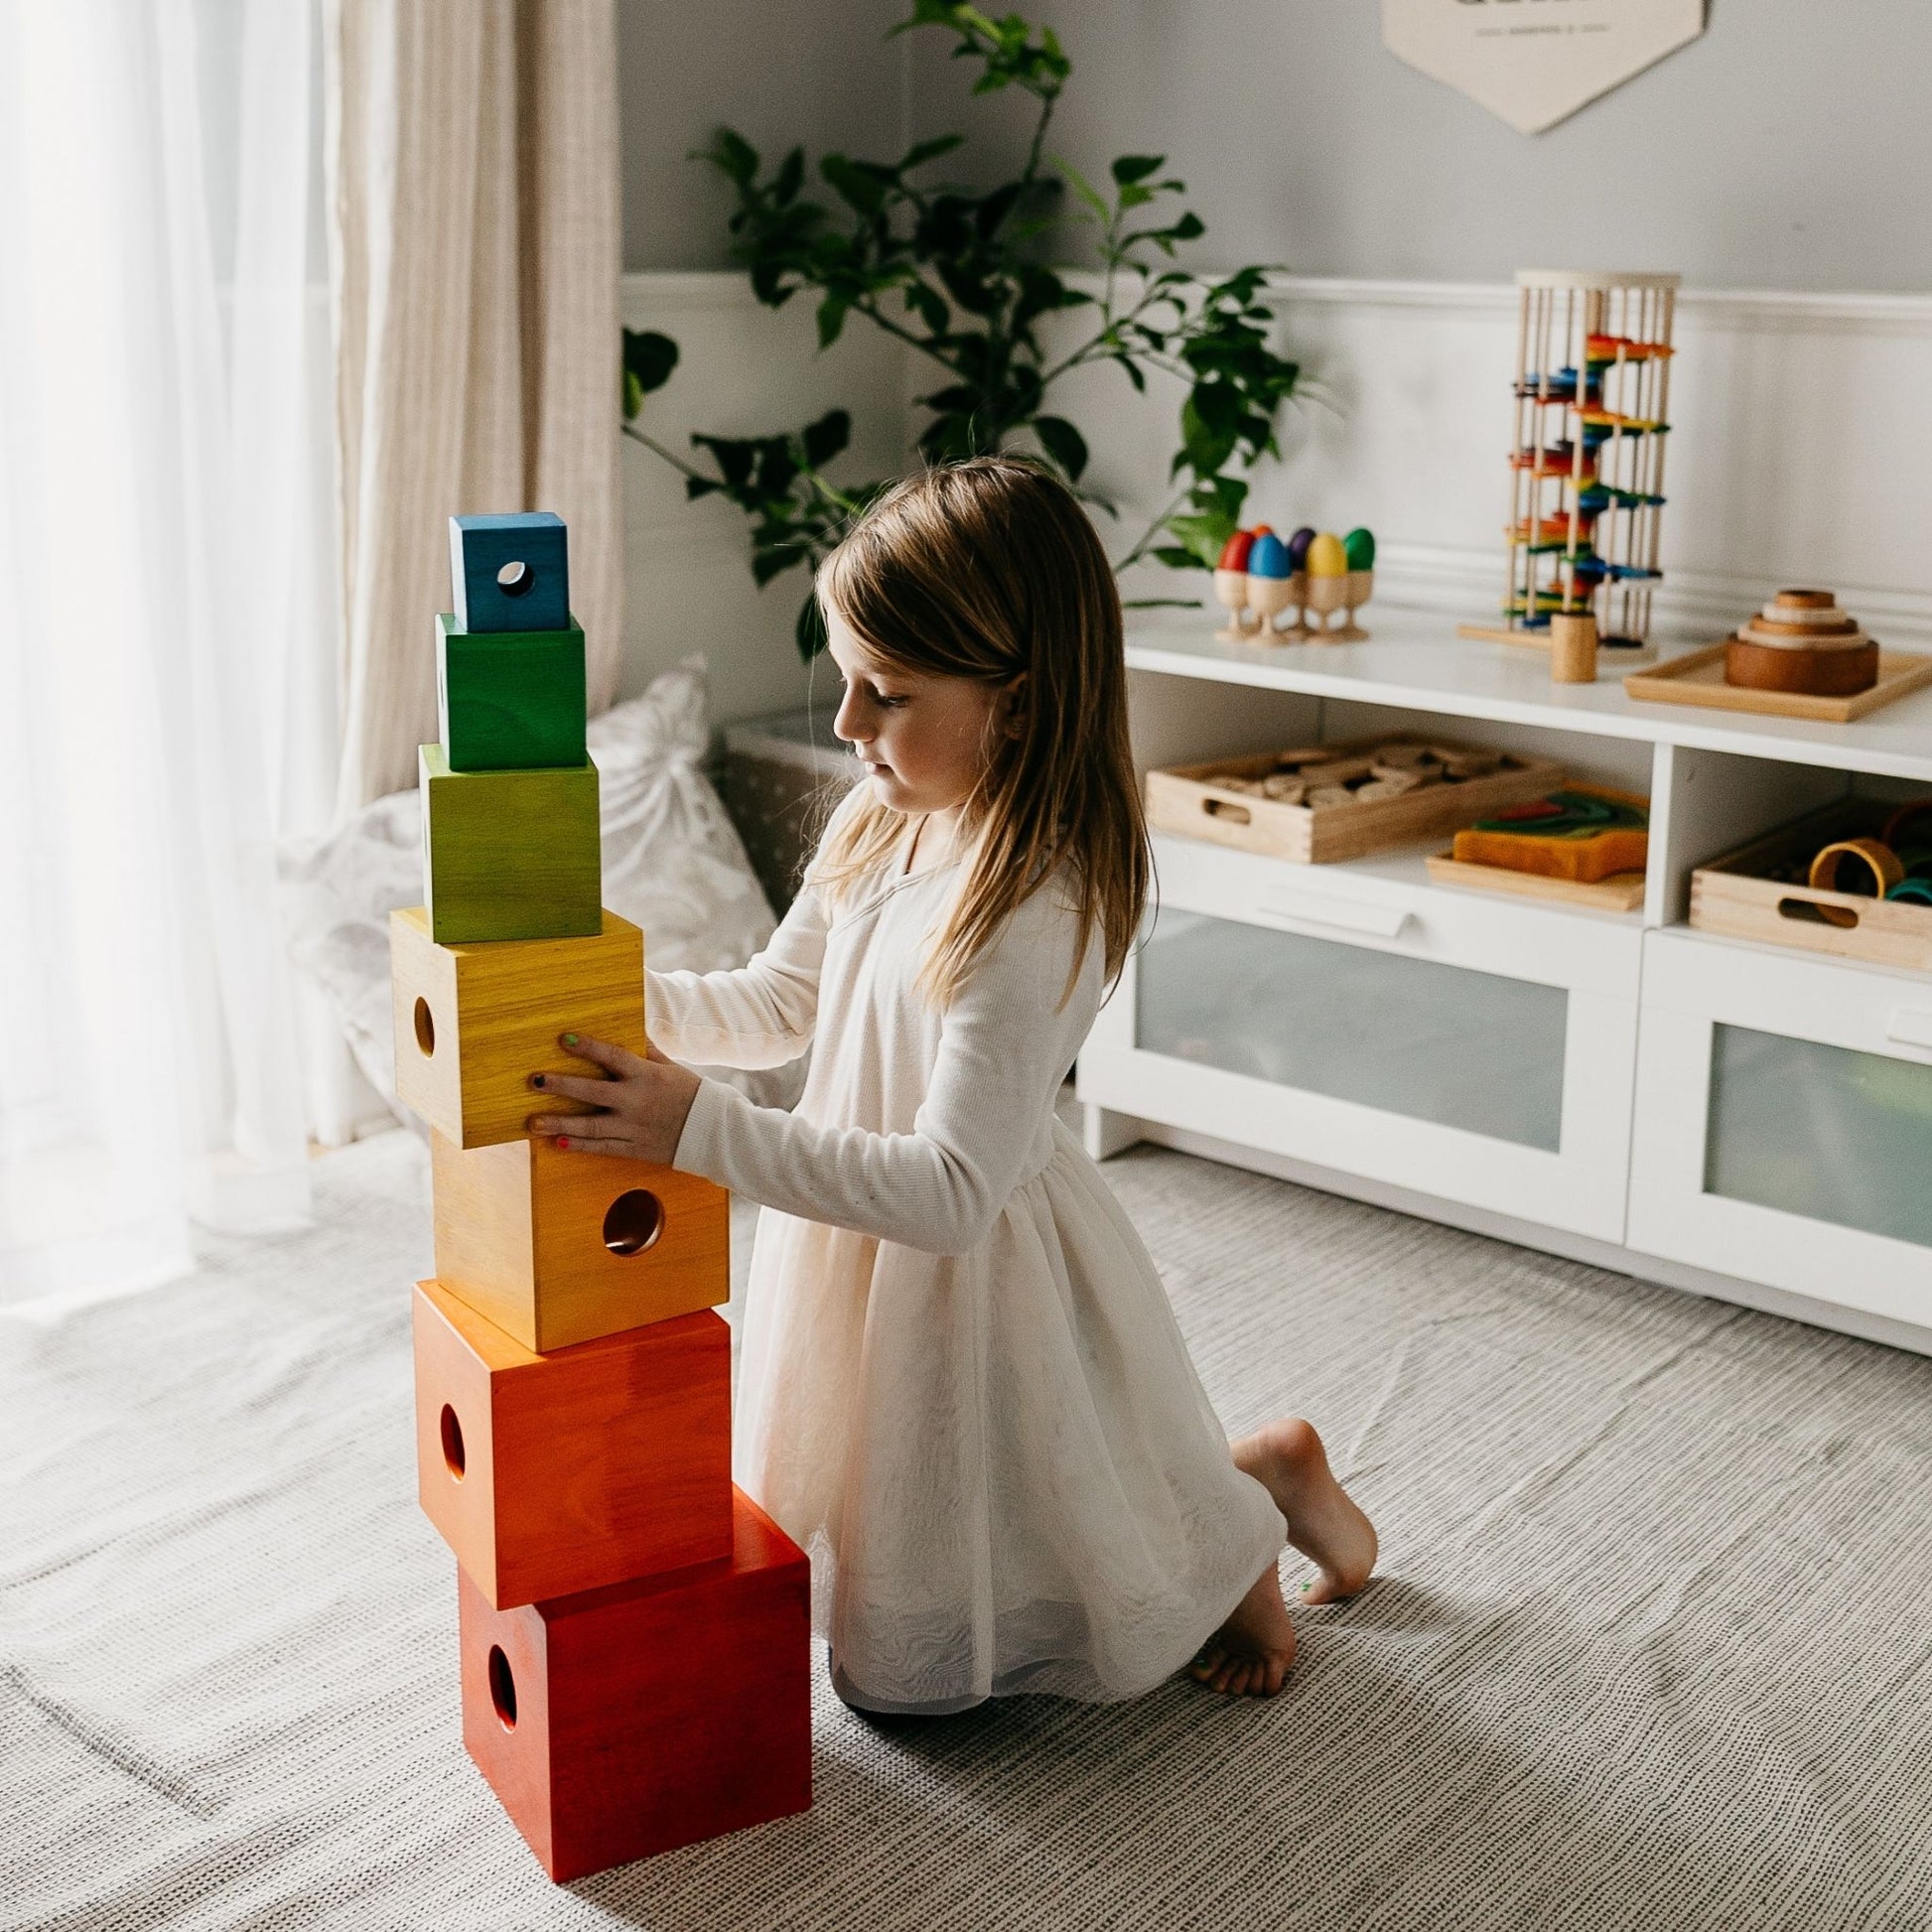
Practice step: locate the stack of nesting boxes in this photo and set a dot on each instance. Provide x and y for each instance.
(633, 1631)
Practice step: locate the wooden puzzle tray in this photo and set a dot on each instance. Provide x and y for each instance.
(1622, 891)
(1699, 679)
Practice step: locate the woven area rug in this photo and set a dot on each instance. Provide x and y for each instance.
(1652, 1646)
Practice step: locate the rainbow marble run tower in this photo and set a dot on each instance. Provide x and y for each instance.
(633, 1632)
(1591, 420)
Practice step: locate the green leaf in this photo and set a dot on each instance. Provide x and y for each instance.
(923, 152)
(1137, 166)
(648, 360)
(856, 185)
(831, 320)
(808, 630)
(1084, 188)
(633, 396)
(1063, 443)
(824, 439)
(734, 155)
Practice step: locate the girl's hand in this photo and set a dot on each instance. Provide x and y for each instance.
(644, 1102)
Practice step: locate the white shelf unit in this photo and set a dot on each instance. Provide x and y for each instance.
(1746, 1121)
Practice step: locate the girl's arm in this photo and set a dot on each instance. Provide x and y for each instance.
(1005, 1046)
(759, 1015)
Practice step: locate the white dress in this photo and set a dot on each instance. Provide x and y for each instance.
(961, 1389)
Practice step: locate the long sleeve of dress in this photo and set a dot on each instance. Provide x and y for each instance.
(1005, 1042)
(762, 1015)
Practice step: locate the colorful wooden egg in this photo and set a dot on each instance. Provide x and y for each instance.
(1269, 557)
(1234, 552)
(1358, 547)
(1327, 557)
(1298, 548)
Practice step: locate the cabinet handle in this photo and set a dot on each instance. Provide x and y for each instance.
(1909, 1026)
(1346, 915)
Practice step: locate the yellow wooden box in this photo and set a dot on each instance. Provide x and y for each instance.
(556, 1247)
(474, 1022)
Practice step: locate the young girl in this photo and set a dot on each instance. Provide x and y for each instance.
(962, 1389)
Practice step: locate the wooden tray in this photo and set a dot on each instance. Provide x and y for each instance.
(1609, 656)
(1186, 800)
(1740, 895)
(1700, 679)
(1622, 891)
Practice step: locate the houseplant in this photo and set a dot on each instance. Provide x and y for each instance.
(957, 274)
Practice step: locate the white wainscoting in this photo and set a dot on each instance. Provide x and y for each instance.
(1798, 420)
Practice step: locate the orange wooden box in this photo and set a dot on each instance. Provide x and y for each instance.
(558, 1248)
(627, 1721)
(473, 1021)
(548, 1475)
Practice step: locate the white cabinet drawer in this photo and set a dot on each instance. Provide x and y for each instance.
(1383, 909)
(1784, 1122)
(1482, 1054)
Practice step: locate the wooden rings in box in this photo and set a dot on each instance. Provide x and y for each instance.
(1843, 865)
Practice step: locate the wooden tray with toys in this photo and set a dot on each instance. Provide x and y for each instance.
(1327, 803)
(1581, 844)
(1854, 881)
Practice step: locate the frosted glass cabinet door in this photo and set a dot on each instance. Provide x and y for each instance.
(1458, 1045)
(1821, 1131)
(1413, 1037)
(1784, 1123)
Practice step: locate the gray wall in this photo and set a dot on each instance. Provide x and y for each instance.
(1788, 148)
(781, 71)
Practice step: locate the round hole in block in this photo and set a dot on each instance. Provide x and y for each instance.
(452, 1432)
(425, 1028)
(514, 580)
(634, 1221)
(502, 1688)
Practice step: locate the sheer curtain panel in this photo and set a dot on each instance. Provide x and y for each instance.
(476, 249)
(158, 531)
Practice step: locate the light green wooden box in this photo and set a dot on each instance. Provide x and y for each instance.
(510, 855)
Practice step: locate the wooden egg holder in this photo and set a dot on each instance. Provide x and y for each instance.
(1331, 802)
(634, 1633)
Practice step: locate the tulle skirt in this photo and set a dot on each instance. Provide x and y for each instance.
(1002, 1463)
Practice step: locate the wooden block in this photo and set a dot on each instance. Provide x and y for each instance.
(510, 572)
(558, 1248)
(651, 1715)
(549, 1475)
(510, 855)
(474, 1023)
(510, 699)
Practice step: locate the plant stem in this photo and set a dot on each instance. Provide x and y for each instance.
(658, 449)
(1148, 535)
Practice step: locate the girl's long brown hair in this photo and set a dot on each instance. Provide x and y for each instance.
(990, 570)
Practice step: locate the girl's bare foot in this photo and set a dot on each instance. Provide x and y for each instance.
(1249, 1655)
(1288, 1459)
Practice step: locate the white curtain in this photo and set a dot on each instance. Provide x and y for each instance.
(166, 628)
(477, 248)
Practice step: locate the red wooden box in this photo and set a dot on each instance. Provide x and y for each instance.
(627, 1721)
(549, 1475)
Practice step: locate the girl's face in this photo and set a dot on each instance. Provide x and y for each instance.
(922, 736)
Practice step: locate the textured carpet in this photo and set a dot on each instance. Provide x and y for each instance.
(1651, 1647)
